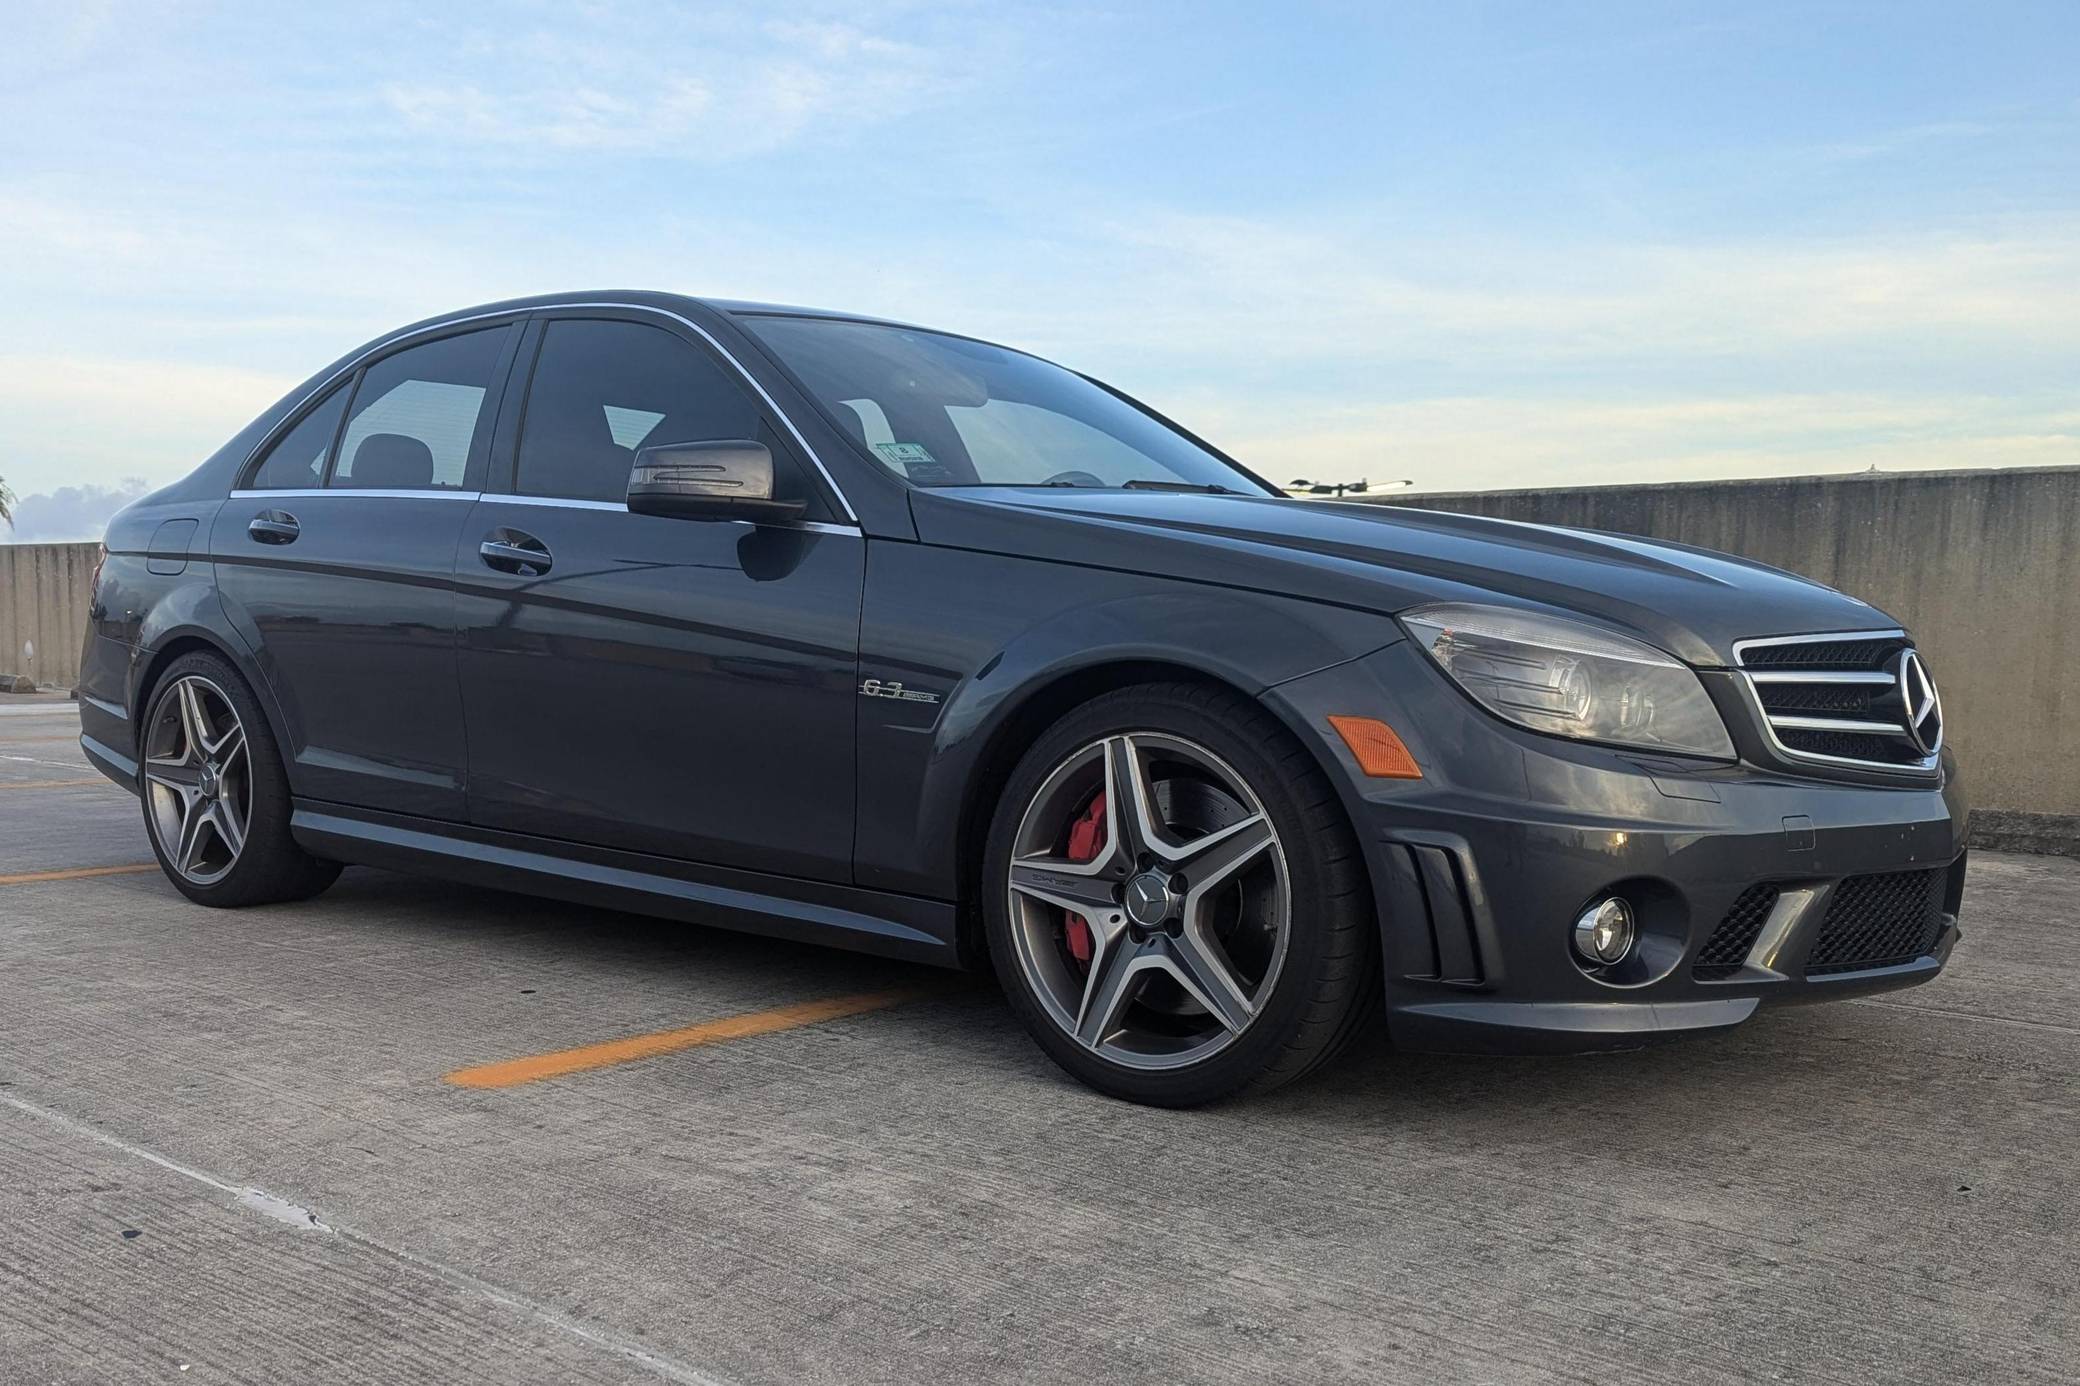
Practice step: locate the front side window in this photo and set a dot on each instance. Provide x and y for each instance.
(418, 413)
(297, 462)
(602, 389)
(945, 411)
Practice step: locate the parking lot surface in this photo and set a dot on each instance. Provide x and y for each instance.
(415, 1132)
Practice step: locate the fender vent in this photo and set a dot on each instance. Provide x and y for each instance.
(1433, 889)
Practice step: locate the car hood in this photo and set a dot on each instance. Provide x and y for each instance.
(1690, 602)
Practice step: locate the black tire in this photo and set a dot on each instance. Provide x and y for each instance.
(269, 867)
(1327, 986)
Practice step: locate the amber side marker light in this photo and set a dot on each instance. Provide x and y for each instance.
(1379, 751)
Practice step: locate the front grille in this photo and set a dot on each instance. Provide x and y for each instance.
(1869, 747)
(1728, 947)
(1839, 699)
(1836, 653)
(1879, 921)
(1819, 699)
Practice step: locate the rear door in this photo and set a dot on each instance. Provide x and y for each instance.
(677, 687)
(337, 559)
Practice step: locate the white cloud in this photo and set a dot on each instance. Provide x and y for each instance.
(1314, 345)
(79, 420)
(1479, 443)
(71, 513)
(1321, 290)
(701, 93)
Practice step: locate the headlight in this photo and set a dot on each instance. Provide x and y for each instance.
(1571, 680)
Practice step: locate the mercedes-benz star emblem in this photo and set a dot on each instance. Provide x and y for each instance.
(1148, 899)
(1922, 706)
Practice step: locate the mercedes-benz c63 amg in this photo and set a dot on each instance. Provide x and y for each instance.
(855, 632)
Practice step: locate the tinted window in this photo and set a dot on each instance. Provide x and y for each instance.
(1025, 444)
(603, 389)
(945, 411)
(417, 414)
(297, 462)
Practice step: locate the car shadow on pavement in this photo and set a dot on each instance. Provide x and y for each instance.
(1666, 1091)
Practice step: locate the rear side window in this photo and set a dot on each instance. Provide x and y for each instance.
(601, 390)
(297, 462)
(418, 415)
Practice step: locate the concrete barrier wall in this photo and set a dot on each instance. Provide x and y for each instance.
(43, 610)
(1983, 567)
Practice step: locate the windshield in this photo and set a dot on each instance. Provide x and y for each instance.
(944, 411)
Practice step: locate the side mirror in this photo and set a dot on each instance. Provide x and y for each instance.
(708, 481)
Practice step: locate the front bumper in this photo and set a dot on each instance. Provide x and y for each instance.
(1480, 868)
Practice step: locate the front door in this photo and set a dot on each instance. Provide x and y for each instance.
(682, 688)
(337, 558)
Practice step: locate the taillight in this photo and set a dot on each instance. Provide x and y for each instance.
(96, 608)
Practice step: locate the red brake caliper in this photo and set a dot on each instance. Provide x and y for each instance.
(1086, 837)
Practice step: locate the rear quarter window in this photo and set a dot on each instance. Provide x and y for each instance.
(297, 461)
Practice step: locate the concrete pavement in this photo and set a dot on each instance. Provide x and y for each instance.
(228, 1144)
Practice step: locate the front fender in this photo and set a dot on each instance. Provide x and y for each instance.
(1001, 641)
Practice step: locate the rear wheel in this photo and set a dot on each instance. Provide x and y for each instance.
(1176, 905)
(216, 799)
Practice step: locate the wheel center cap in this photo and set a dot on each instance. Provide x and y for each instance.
(208, 780)
(1149, 898)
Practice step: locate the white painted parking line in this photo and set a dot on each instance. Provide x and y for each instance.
(32, 760)
(295, 1215)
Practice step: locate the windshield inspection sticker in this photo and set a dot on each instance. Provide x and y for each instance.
(906, 455)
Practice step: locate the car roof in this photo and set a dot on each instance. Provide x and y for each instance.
(651, 298)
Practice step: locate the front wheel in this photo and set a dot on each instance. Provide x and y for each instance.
(216, 798)
(1176, 904)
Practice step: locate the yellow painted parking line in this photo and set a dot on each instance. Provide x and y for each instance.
(55, 784)
(78, 873)
(510, 1073)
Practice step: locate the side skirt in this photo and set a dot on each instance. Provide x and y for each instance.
(867, 921)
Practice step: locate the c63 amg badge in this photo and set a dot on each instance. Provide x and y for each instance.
(881, 688)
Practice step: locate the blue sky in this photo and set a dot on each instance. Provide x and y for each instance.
(1472, 245)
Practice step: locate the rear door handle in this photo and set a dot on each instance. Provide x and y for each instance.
(274, 527)
(514, 551)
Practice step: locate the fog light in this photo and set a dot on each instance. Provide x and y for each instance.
(1603, 934)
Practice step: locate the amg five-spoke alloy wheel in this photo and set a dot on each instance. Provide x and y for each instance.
(1177, 912)
(198, 779)
(216, 801)
(1127, 939)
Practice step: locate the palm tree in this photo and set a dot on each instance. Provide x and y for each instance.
(6, 505)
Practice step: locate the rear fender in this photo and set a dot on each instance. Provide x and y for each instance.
(189, 617)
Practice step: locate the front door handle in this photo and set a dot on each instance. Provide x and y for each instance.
(274, 527)
(514, 551)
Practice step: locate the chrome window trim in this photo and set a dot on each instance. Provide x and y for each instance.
(372, 492)
(560, 502)
(1750, 680)
(518, 315)
(563, 503)
(551, 502)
